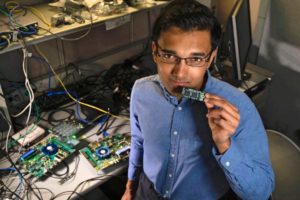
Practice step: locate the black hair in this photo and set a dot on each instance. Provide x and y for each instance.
(188, 15)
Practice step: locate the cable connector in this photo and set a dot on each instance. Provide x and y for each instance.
(14, 36)
(29, 54)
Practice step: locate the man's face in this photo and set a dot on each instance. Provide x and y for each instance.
(175, 42)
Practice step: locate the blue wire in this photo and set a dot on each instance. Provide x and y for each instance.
(77, 108)
(31, 30)
(101, 120)
(77, 104)
(20, 176)
(10, 16)
(86, 121)
(3, 42)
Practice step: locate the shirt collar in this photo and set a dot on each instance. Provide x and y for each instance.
(170, 98)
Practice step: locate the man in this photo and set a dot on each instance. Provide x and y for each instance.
(187, 149)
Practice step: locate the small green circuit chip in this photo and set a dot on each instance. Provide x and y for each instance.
(193, 94)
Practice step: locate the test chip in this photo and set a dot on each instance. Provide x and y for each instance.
(193, 94)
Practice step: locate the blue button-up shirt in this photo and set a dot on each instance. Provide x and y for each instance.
(172, 142)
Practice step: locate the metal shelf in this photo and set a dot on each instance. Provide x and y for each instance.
(66, 29)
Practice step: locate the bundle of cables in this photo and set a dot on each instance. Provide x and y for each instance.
(4, 41)
(28, 30)
(121, 77)
(113, 88)
(17, 31)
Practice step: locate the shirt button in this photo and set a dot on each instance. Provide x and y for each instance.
(172, 155)
(167, 191)
(175, 133)
(170, 175)
(179, 108)
(227, 164)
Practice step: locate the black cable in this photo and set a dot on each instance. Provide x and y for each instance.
(103, 125)
(91, 179)
(99, 130)
(24, 45)
(245, 84)
(59, 176)
(120, 78)
(76, 75)
(108, 128)
(68, 105)
(2, 183)
(39, 191)
(43, 119)
(106, 124)
(9, 81)
(19, 185)
(2, 113)
(52, 120)
(118, 126)
(94, 78)
(74, 172)
(40, 188)
(34, 187)
(66, 192)
(17, 169)
(2, 139)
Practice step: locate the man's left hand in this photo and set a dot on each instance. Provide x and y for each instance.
(223, 119)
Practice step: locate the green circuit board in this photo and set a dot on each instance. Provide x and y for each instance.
(44, 156)
(193, 94)
(108, 151)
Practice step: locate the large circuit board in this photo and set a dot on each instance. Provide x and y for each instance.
(51, 151)
(44, 156)
(108, 151)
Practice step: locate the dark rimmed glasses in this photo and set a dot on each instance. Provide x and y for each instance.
(170, 58)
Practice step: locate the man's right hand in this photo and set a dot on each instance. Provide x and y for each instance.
(130, 190)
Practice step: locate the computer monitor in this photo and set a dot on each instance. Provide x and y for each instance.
(236, 41)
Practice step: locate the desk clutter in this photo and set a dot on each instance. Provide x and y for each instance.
(22, 20)
(43, 157)
(107, 152)
(60, 133)
(62, 141)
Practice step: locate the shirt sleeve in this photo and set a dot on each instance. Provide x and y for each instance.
(136, 150)
(246, 163)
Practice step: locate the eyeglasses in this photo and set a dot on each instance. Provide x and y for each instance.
(170, 58)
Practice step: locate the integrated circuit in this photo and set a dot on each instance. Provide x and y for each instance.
(193, 94)
(108, 151)
(45, 156)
